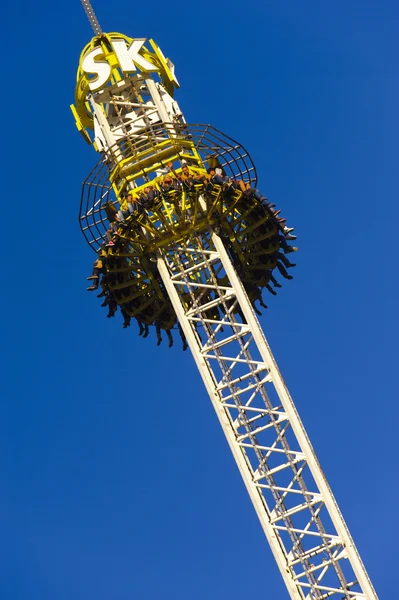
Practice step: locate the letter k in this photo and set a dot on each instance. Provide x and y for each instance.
(129, 58)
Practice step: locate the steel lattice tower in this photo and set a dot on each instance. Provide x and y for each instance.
(175, 257)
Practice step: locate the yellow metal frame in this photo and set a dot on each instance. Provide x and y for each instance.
(81, 110)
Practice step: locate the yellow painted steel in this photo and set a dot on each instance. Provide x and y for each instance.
(81, 109)
(131, 168)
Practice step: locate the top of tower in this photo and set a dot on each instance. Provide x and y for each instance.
(112, 60)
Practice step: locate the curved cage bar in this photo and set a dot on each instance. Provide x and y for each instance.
(138, 159)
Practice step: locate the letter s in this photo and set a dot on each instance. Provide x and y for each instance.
(101, 69)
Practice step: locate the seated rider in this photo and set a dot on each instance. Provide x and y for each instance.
(169, 184)
(219, 172)
(214, 163)
(216, 167)
(111, 211)
(223, 180)
(190, 177)
(129, 206)
(148, 196)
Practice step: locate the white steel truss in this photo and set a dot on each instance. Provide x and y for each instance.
(299, 515)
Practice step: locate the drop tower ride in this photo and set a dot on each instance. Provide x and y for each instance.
(186, 242)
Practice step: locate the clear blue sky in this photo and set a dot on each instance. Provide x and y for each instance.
(116, 481)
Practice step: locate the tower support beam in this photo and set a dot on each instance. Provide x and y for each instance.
(297, 510)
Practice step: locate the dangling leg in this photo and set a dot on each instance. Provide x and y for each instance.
(158, 332)
(104, 286)
(182, 337)
(283, 271)
(271, 290)
(106, 301)
(112, 307)
(274, 281)
(170, 338)
(288, 231)
(141, 328)
(241, 185)
(256, 309)
(126, 318)
(146, 331)
(263, 305)
(95, 277)
(286, 247)
(285, 260)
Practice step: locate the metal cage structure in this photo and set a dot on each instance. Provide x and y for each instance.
(97, 189)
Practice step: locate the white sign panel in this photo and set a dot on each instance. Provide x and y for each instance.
(128, 58)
